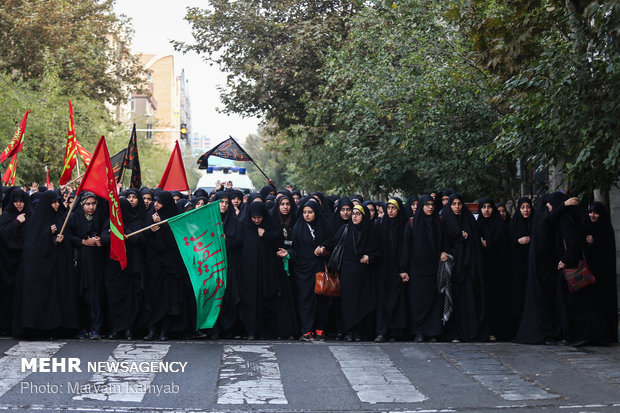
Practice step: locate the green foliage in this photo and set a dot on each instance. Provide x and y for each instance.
(412, 95)
(86, 43)
(270, 50)
(48, 123)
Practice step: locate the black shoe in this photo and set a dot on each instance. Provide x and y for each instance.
(356, 338)
(94, 335)
(380, 338)
(215, 336)
(151, 335)
(348, 337)
(251, 337)
(200, 335)
(128, 335)
(115, 335)
(163, 336)
(82, 335)
(419, 338)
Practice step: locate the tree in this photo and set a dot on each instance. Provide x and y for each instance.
(559, 68)
(271, 50)
(82, 40)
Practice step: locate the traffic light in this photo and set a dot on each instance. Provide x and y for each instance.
(183, 131)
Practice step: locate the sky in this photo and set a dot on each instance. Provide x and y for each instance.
(155, 23)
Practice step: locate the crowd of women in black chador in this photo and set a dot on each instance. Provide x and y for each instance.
(421, 269)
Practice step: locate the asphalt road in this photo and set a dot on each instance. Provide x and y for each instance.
(293, 376)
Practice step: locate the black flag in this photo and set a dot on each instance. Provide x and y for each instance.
(132, 161)
(229, 149)
(117, 164)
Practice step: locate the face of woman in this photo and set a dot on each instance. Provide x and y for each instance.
(345, 212)
(526, 209)
(158, 205)
(429, 207)
(414, 207)
(309, 214)
(296, 198)
(392, 211)
(445, 199)
(486, 210)
(380, 212)
(502, 211)
(594, 216)
(457, 206)
(19, 205)
(224, 203)
(148, 200)
(133, 200)
(236, 201)
(372, 211)
(257, 220)
(356, 217)
(285, 206)
(200, 203)
(90, 206)
(56, 205)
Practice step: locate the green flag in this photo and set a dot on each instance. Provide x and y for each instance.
(199, 235)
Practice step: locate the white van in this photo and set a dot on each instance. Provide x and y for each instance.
(224, 170)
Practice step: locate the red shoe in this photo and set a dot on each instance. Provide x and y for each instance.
(307, 337)
(319, 335)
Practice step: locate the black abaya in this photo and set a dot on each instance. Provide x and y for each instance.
(467, 320)
(421, 253)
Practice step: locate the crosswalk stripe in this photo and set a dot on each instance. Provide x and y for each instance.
(600, 365)
(130, 386)
(492, 374)
(373, 375)
(10, 366)
(250, 374)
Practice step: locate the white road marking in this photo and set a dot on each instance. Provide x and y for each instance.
(492, 374)
(10, 366)
(374, 376)
(608, 369)
(250, 375)
(124, 386)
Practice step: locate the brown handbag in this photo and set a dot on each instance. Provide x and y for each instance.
(327, 284)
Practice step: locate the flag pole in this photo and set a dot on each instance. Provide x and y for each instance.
(252, 160)
(145, 228)
(75, 200)
(73, 180)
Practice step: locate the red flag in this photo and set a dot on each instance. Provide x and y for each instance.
(99, 179)
(47, 177)
(69, 161)
(174, 178)
(86, 156)
(17, 143)
(9, 174)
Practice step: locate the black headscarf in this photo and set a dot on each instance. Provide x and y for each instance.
(337, 221)
(410, 202)
(287, 222)
(168, 208)
(520, 226)
(490, 228)
(426, 238)
(9, 212)
(266, 190)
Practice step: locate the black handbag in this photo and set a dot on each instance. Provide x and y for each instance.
(336, 258)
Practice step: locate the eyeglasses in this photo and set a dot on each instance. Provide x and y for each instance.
(429, 204)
